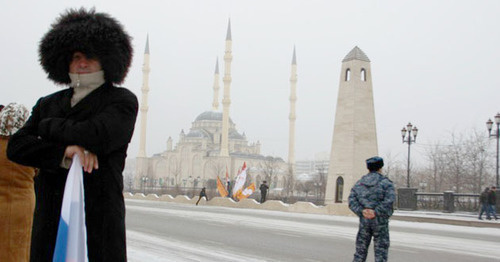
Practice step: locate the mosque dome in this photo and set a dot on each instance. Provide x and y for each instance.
(235, 135)
(209, 122)
(200, 133)
(210, 116)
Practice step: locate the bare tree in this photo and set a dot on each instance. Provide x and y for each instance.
(176, 171)
(128, 180)
(477, 158)
(218, 168)
(321, 180)
(163, 184)
(462, 165)
(271, 168)
(305, 187)
(436, 158)
(390, 165)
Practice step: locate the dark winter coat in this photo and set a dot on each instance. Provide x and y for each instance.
(263, 188)
(373, 191)
(483, 198)
(492, 197)
(103, 123)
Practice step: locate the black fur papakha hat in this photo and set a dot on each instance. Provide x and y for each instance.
(374, 163)
(97, 35)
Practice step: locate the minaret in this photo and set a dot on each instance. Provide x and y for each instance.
(144, 105)
(215, 104)
(354, 132)
(226, 101)
(141, 167)
(292, 117)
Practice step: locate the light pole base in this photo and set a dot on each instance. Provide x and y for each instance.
(407, 198)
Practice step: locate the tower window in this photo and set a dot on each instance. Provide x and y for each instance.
(363, 75)
(339, 189)
(347, 74)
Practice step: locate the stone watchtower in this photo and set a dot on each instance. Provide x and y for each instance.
(354, 132)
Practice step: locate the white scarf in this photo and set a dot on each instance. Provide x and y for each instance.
(83, 84)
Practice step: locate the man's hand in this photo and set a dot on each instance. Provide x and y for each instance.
(368, 213)
(87, 159)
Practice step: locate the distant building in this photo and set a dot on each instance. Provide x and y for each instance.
(319, 164)
(196, 157)
(210, 147)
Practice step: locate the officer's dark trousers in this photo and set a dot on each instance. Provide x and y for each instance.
(379, 229)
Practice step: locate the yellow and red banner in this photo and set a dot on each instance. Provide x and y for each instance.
(240, 180)
(221, 188)
(246, 193)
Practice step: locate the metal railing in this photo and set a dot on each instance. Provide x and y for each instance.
(451, 203)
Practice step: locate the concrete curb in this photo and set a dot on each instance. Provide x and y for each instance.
(447, 221)
(338, 209)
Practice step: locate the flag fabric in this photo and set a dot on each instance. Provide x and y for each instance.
(220, 187)
(71, 242)
(240, 180)
(227, 177)
(247, 192)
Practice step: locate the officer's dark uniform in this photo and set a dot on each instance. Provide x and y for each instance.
(373, 191)
(263, 192)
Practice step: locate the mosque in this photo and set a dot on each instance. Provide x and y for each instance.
(213, 145)
(210, 147)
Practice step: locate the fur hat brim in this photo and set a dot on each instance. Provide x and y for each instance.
(97, 35)
(374, 163)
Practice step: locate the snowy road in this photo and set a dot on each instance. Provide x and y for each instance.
(162, 231)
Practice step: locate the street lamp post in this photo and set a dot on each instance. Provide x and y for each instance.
(489, 125)
(144, 182)
(409, 140)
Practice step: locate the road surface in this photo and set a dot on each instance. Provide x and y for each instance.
(163, 231)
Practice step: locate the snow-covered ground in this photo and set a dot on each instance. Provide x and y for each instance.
(174, 232)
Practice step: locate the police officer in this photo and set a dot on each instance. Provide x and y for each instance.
(263, 191)
(371, 199)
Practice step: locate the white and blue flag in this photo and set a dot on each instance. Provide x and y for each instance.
(71, 243)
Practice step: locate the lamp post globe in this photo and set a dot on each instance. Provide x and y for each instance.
(406, 134)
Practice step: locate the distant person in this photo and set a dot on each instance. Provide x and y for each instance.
(371, 199)
(229, 189)
(17, 195)
(492, 202)
(485, 207)
(263, 191)
(203, 193)
(89, 53)
(1, 107)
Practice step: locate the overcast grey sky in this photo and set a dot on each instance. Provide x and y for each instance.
(434, 63)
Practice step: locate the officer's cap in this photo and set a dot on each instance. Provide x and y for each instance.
(374, 163)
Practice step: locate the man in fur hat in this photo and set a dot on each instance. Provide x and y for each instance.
(371, 199)
(93, 118)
